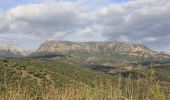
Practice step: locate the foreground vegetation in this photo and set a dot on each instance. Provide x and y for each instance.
(32, 79)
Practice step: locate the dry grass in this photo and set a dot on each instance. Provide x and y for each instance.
(123, 89)
(126, 89)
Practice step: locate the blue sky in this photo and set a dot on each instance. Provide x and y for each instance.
(6, 4)
(28, 23)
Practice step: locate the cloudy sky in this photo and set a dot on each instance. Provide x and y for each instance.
(28, 23)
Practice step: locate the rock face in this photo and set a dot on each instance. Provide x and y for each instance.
(106, 46)
(12, 51)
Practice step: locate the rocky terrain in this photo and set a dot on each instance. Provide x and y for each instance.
(106, 46)
(89, 50)
(12, 51)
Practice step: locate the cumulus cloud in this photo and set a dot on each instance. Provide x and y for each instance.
(137, 21)
(140, 21)
(4, 22)
(46, 18)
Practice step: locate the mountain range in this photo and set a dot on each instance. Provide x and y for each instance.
(105, 46)
(105, 50)
(13, 51)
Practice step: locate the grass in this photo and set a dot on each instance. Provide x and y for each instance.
(163, 71)
(125, 90)
(31, 79)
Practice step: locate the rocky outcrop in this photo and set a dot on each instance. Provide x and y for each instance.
(105, 46)
(12, 51)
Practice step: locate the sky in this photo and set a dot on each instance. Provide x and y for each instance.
(28, 23)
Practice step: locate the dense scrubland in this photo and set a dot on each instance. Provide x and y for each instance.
(34, 79)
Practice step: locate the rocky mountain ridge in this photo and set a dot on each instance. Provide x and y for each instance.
(104, 46)
(12, 51)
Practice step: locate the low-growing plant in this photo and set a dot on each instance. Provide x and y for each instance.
(57, 80)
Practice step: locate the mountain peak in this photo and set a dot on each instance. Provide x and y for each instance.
(100, 46)
(7, 50)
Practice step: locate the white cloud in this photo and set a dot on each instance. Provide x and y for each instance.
(46, 18)
(4, 22)
(140, 21)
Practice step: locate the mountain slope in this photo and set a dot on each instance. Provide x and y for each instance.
(107, 47)
(12, 51)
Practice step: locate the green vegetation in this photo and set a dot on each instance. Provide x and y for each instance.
(163, 71)
(34, 79)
